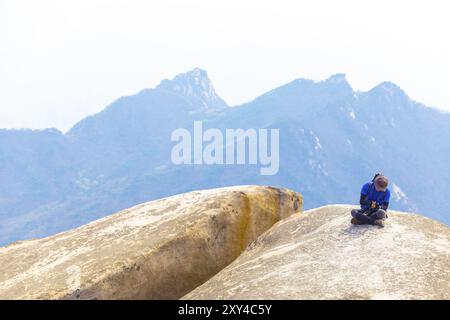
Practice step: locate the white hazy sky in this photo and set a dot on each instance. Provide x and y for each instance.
(61, 60)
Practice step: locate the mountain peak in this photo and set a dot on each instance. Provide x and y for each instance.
(197, 87)
(337, 78)
(196, 73)
(338, 81)
(389, 87)
(390, 90)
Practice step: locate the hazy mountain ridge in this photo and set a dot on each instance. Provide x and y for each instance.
(332, 140)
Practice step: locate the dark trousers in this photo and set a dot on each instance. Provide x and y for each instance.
(368, 217)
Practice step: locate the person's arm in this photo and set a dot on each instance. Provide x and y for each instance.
(387, 197)
(362, 200)
(364, 194)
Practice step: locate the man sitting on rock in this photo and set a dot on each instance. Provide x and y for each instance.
(374, 202)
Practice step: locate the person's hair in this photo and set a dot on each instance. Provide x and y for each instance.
(376, 176)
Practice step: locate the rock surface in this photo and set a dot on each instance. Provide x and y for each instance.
(319, 255)
(158, 250)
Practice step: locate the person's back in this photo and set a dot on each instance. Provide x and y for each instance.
(374, 201)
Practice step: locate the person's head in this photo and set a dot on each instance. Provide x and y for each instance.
(381, 182)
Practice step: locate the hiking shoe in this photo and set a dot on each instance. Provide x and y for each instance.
(379, 223)
(355, 221)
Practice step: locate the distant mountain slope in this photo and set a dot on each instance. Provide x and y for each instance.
(332, 139)
(35, 169)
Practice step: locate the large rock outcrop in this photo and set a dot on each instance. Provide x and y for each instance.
(319, 255)
(160, 249)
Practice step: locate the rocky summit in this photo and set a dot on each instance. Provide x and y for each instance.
(319, 255)
(157, 250)
(247, 242)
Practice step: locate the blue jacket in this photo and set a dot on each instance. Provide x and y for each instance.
(369, 193)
